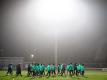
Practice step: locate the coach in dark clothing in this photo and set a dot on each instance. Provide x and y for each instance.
(9, 69)
(18, 70)
(29, 70)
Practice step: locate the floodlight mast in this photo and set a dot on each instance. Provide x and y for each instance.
(56, 48)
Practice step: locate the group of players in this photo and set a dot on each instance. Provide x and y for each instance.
(52, 70)
(40, 70)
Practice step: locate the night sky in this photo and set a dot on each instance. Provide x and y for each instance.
(27, 28)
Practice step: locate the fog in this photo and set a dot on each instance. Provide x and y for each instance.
(33, 26)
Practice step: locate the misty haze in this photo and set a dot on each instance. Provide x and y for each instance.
(71, 30)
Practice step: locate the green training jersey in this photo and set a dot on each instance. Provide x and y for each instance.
(53, 67)
(79, 67)
(49, 68)
(41, 67)
(33, 67)
(37, 68)
(82, 68)
(67, 68)
(70, 67)
(61, 67)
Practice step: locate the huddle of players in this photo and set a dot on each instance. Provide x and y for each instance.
(71, 69)
(75, 69)
(42, 70)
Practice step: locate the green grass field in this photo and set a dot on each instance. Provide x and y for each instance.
(89, 75)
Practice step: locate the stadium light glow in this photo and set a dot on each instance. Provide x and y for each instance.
(32, 56)
(54, 17)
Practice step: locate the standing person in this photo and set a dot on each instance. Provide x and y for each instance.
(82, 69)
(49, 70)
(33, 70)
(53, 69)
(75, 69)
(63, 68)
(38, 69)
(70, 69)
(18, 70)
(29, 70)
(67, 68)
(59, 68)
(10, 70)
(43, 69)
(78, 69)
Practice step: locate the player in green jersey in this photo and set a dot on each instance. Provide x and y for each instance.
(48, 70)
(67, 69)
(53, 69)
(59, 69)
(82, 69)
(63, 68)
(71, 69)
(78, 69)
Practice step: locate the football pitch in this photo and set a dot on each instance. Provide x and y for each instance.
(89, 75)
